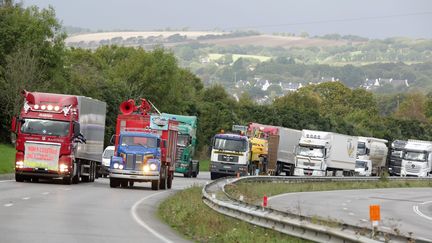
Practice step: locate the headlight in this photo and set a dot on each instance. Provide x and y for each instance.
(63, 168)
(121, 167)
(146, 168)
(153, 166)
(19, 164)
(116, 165)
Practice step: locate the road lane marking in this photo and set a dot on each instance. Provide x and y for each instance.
(419, 213)
(8, 204)
(351, 213)
(26, 198)
(6, 181)
(142, 223)
(45, 193)
(345, 209)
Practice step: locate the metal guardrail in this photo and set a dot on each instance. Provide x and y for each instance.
(297, 225)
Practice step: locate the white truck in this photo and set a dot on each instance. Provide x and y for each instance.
(325, 154)
(417, 160)
(371, 156)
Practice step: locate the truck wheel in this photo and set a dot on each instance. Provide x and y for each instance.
(170, 179)
(124, 184)
(131, 184)
(67, 180)
(114, 183)
(35, 179)
(155, 185)
(214, 176)
(19, 178)
(163, 181)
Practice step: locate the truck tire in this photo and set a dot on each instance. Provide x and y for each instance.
(195, 173)
(35, 179)
(92, 171)
(163, 181)
(76, 178)
(170, 179)
(124, 184)
(114, 183)
(19, 178)
(131, 184)
(67, 180)
(214, 176)
(155, 185)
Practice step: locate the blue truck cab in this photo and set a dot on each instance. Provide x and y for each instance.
(137, 159)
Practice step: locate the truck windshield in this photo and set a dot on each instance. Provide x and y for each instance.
(45, 127)
(360, 164)
(397, 153)
(230, 144)
(310, 151)
(361, 148)
(418, 156)
(183, 140)
(139, 141)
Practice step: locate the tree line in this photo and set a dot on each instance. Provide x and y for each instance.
(33, 56)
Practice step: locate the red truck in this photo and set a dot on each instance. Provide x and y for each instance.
(145, 147)
(59, 136)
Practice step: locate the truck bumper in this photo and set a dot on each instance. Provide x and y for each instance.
(134, 175)
(395, 170)
(228, 168)
(42, 174)
(181, 167)
(306, 172)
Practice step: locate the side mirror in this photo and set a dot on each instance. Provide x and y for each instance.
(112, 140)
(76, 129)
(14, 125)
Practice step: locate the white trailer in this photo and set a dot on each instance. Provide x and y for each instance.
(417, 159)
(371, 156)
(325, 153)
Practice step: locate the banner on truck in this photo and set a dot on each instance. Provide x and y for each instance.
(41, 155)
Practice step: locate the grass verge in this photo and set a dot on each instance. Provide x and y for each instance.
(186, 213)
(204, 165)
(7, 158)
(253, 192)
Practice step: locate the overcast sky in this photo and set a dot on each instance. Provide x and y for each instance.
(368, 18)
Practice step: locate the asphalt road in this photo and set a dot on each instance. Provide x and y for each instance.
(405, 209)
(86, 212)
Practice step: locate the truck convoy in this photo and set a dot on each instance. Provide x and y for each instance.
(397, 152)
(230, 154)
(417, 159)
(145, 147)
(186, 145)
(371, 156)
(325, 154)
(59, 136)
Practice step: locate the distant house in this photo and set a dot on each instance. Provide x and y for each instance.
(324, 80)
(291, 87)
(370, 84)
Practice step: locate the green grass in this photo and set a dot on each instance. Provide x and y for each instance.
(7, 158)
(253, 192)
(186, 213)
(204, 165)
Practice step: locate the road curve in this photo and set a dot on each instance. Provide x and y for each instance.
(405, 209)
(87, 212)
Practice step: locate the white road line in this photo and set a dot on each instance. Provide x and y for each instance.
(363, 220)
(142, 223)
(345, 209)
(419, 213)
(45, 193)
(26, 198)
(351, 213)
(6, 181)
(8, 204)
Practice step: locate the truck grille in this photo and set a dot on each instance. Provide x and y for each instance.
(228, 158)
(410, 169)
(129, 161)
(179, 153)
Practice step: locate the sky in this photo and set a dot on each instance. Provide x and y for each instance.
(367, 18)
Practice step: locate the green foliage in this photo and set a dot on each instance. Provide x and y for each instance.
(7, 158)
(187, 213)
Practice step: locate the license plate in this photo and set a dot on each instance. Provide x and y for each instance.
(227, 167)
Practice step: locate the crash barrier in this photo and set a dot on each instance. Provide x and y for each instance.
(297, 225)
